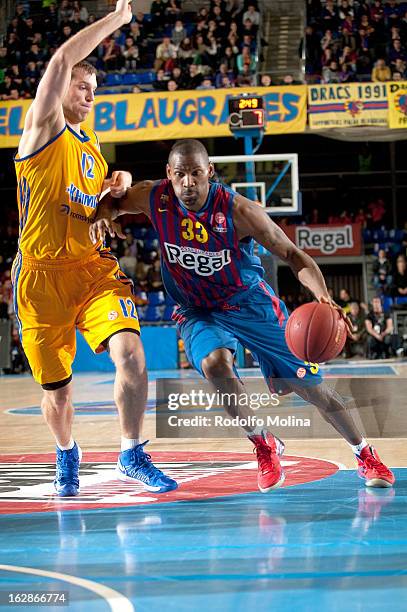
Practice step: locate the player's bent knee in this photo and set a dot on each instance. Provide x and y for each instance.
(129, 356)
(218, 364)
(58, 399)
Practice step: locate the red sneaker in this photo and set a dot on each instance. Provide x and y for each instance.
(268, 449)
(373, 470)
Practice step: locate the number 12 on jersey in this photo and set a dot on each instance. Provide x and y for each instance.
(87, 164)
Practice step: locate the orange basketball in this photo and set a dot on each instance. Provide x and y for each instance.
(315, 332)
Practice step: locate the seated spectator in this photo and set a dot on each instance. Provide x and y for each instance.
(178, 33)
(173, 10)
(330, 74)
(396, 52)
(252, 14)
(172, 85)
(160, 83)
(165, 54)
(377, 211)
(82, 10)
(111, 56)
(157, 11)
(381, 72)
(348, 56)
(141, 275)
(344, 300)
(356, 341)
(246, 60)
(206, 84)
(204, 52)
(185, 52)
(391, 13)
(13, 46)
(265, 80)
(128, 263)
(221, 21)
(77, 23)
(65, 12)
(245, 78)
(194, 77)
(382, 270)
(381, 341)
(223, 72)
(178, 77)
(229, 59)
(226, 83)
(130, 54)
(401, 67)
(346, 74)
(400, 277)
(5, 88)
(249, 29)
(154, 278)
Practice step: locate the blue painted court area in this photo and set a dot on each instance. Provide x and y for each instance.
(328, 545)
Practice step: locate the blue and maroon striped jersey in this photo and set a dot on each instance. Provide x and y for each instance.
(203, 263)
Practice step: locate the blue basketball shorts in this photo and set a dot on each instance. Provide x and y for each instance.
(257, 320)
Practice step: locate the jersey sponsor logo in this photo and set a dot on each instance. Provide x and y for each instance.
(66, 210)
(327, 240)
(204, 263)
(79, 197)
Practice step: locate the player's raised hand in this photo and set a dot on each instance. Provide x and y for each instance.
(344, 316)
(123, 7)
(100, 228)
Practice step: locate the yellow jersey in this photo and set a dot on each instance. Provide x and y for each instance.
(58, 190)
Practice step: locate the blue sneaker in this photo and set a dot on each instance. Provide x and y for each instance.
(66, 481)
(135, 465)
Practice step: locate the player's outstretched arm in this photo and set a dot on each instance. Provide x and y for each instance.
(46, 110)
(136, 200)
(251, 220)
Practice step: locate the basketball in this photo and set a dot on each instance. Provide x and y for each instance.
(315, 332)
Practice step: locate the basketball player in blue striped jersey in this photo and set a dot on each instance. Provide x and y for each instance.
(206, 234)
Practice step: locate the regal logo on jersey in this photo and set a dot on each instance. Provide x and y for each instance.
(203, 263)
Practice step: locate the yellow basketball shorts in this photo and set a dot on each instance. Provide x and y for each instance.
(53, 299)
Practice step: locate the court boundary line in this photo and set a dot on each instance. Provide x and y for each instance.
(116, 601)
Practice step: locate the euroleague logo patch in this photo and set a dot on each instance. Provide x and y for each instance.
(26, 481)
(220, 223)
(113, 314)
(301, 372)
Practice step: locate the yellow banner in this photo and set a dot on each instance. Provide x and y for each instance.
(397, 95)
(347, 104)
(171, 115)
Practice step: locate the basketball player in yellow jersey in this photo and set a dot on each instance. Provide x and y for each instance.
(63, 282)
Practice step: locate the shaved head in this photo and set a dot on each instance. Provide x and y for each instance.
(188, 148)
(190, 171)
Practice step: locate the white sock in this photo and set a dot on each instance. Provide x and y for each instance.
(357, 448)
(69, 446)
(128, 443)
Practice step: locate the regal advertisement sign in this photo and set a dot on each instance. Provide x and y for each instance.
(323, 240)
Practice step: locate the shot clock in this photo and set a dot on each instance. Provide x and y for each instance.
(246, 112)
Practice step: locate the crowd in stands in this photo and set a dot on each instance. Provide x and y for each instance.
(166, 49)
(356, 40)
